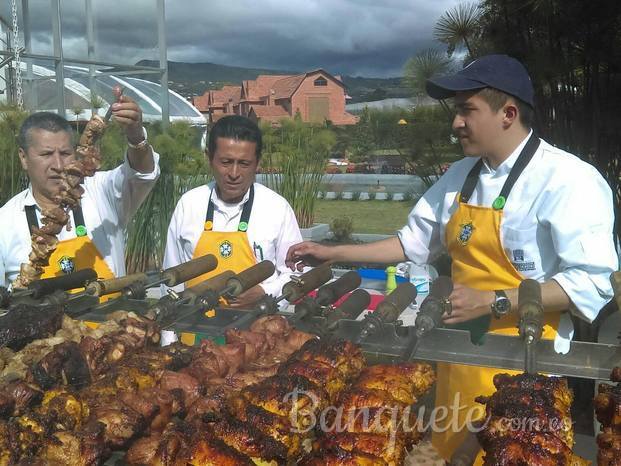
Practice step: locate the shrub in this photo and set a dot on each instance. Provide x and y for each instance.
(342, 228)
(372, 195)
(355, 196)
(390, 196)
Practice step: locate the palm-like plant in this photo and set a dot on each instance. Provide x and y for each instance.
(424, 65)
(457, 25)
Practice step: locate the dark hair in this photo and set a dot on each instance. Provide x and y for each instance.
(235, 127)
(47, 121)
(496, 99)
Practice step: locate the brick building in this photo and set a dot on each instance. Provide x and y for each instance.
(317, 96)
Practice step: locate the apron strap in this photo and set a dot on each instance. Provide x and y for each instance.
(245, 215)
(522, 161)
(78, 219)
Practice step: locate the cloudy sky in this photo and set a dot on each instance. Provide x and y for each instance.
(354, 37)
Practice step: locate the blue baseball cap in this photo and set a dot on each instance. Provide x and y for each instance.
(500, 72)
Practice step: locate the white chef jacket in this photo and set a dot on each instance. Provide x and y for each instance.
(557, 224)
(110, 200)
(272, 228)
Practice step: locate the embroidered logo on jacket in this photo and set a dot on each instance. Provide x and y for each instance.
(66, 264)
(520, 264)
(225, 249)
(465, 233)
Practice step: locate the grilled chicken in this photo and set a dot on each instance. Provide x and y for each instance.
(292, 396)
(391, 450)
(404, 382)
(339, 457)
(322, 375)
(528, 422)
(83, 448)
(247, 439)
(342, 355)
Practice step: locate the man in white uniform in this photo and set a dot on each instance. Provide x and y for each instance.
(110, 197)
(514, 208)
(239, 221)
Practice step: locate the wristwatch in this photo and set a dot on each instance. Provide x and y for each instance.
(501, 305)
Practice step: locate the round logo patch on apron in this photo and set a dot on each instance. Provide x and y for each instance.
(465, 232)
(225, 249)
(66, 264)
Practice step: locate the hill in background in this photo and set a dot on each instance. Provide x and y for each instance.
(190, 79)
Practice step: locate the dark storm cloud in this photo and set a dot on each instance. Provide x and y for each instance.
(355, 37)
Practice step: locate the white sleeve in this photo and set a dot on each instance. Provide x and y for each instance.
(173, 254)
(126, 189)
(289, 235)
(420, 237)
(580, 217)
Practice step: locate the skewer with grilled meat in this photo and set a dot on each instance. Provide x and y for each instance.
(272, 425)
(554, 386)
(247, 439)
(178, 382)
(608, 412)
(272, 324)
(205, 449)
(536, 404)
(292, 396)
(81, 448)
(391, 450)
(405, 382)
(609, 447)
(339, 457)
(342, 355)
(322, 375)
(523, 448)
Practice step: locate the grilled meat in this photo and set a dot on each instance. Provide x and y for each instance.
(342, 355)
(289, 396)
(391, 450)
(405, 382)
(322, 375)
(528, 422)
(247, 439)
(339, 457)
(523, 448)
(26, 323)
(608, 412)
(83, 448)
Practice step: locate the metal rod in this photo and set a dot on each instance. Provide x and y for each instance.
(161, 42)
(59, 60)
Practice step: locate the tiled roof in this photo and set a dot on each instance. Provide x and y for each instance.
(285, 87)
(267, 111)
(226, 94)
(201, 102)
(261, 86)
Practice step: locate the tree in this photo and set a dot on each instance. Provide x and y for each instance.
(459, 25)
(422, 66)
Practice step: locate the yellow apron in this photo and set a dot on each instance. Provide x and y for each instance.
(73, 254)
(480, 262)
(231, 248)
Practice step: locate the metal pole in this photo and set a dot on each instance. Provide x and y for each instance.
(30, 96)
(58, 57)
(161, 42)
(90, 41)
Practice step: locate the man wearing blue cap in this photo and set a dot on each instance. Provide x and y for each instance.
(515, 207)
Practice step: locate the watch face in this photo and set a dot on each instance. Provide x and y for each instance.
(502, 306)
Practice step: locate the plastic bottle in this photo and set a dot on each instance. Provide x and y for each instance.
(391, 279)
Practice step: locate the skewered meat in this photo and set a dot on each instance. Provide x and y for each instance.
(331, 379)
(273, 425)
(339, 457)
(392, 451)
(26, 323)
(405, 382)
(206, 450)
(523, 448)
(608, 412)
(292, 396)
(83, 448)
(249, 440)
(188, 385)
(528, 422)
(342, 355)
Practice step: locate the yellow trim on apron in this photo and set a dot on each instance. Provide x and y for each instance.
(76, 254)
(480, 262)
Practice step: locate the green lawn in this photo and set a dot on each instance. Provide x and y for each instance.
(380, 217)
